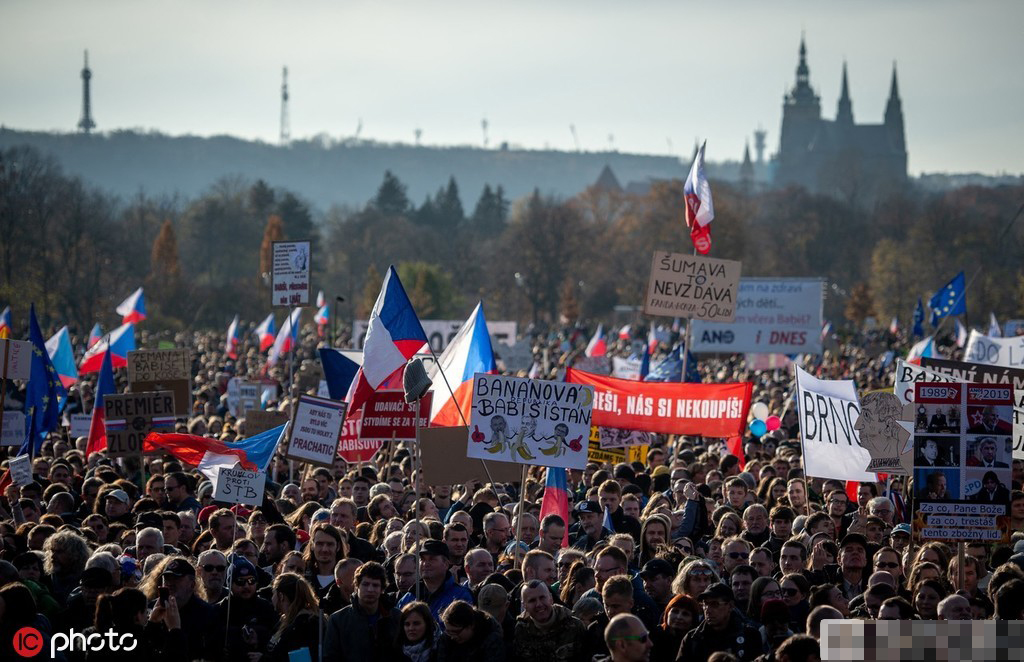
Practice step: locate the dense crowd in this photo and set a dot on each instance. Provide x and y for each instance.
(704, 559)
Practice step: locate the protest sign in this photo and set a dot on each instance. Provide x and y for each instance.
(621, 368)
(1006, 352)
(712, 410)
(21, 470)
(351, 448)
(530, 421)
(599, 365)
(441, 332)
(879, 432)
(289, 281)
(131, 416)
(322, 390)
(692, 286)
(613, 456)
(516, 357)
(619, 438)
(238, 485)
(257, 420)
(78, 425)
(767, 361)
(15, 359)
(387, 416)
(13, 433)
(163, 370)
(828, 417)
(444, 463)
(773, 316)
(242, 396)
(962, 473)
(315, 430)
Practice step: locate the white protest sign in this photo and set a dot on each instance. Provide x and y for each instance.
(19, 358)
(1005, 352)
(773, 316)
(238, 485)
(313, 435)
(828, 420)
(692, 286)
(14, 428)
(21, 470)
(530, 421)
(625, 368)
(78, 425)
(441, 332)
(243, 396)
(289, 282)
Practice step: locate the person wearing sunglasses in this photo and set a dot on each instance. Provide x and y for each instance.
(723, 629)
(245, 620)
(213, 567)
(627, 639)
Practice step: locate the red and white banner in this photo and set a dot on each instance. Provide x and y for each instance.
(712, 410)
(350, 447)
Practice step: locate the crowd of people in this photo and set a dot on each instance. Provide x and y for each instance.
(704, 559)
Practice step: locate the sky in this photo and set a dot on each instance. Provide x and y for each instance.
(646, 76)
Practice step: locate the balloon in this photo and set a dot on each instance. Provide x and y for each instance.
(760, 411)
(773, 423)
(758, 428)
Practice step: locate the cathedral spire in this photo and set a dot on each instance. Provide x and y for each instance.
(844, 114)
(803, 74)
(894, 114)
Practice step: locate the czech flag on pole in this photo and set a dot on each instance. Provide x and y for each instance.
(394, 334)
(468, 353)
(95, 335)
(62, 357)
(597, 345)
(210, 455)
(287, 338)
(556, 499)
(120, 341)
(322, 318)
(5, 323)
(133, 309)
(699, 209)
(265, 332)
(98, 425)
(231, 345)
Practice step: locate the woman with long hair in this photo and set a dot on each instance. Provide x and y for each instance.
(124, 612)
(681, 615)
(580, 580)
(763, 588)
(418, 633)
(301, 517)
(300, 623)
(927, 594)
(729, 525)
(694, 578)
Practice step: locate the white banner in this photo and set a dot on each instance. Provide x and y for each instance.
(626, 368)
(441, 332)
(1005, 352)
(780, 316)
(315, 429)
(828, 420)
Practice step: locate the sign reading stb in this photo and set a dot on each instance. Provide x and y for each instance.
(238, 485)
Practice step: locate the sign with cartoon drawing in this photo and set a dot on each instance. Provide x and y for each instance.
(530, 421)
(880, 433)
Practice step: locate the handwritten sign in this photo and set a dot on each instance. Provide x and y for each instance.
(14, 429)
(239, 485)
(21, 470)
(313, 435)
(290, 284)
(1006, 352)
(242, 396)
(692, 286)
(18, 357)
(163, 370)
(828, 429)
(387, 415)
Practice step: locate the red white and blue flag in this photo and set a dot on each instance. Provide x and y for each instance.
(556, 499)
(322, 318)
(265, 332)
(286, 339)
(652, 341)
(597, 345)
(62, 357)
(98, 425)
(210, 455)
(120, 341)
(468, 353)
(626, 332)
(922, 349)
(94, 336)
(231, 345)
(5, 323)
(133, 309)
(700, 210)
(321, 300)
(393, 335)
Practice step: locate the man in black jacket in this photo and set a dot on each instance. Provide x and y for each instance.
(723, 629)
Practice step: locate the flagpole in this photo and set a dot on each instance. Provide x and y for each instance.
(686, 356)
(3, 384)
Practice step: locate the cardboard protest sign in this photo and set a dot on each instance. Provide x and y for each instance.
(712, 410)
(1006, 352)
(17, 354)
(163, 370)
(599, 365)
(131, 416)
(530, 421)
(315, 429)
(881, 435)
(962, 474)
(828, 417)
(440, 333)
(21, 470)
(444, 463)
(387, 416)
(692, 286)
(773, 316)
(78, 425)
(238, 485)
(290, 285)
(621, 368)
(257, 420)
(13, 433)
(242, 396)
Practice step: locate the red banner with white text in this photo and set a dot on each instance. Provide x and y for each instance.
(711, 410)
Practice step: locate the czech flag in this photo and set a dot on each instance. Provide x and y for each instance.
(468, 353)
(556, 499)
(210, 455)
(120, 341)
(922, 349)
(652, 341)
(700, 211)
(98, 425)
(231, 345)
(321, 300)
(133, 309)
(339, 370)
(645, 364)
(322, 317)
(286, 339)
(5, 323)
(62, 357)
(597, 345)
(626, 332)
(394, 334)
(94, 335)
(265, 332)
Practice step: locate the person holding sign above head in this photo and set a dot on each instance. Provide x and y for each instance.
(992, 491)
(985, 455)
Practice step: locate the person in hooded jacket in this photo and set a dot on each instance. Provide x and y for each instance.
(470, 635)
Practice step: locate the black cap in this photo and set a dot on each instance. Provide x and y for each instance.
(854, 539)
(656, 567)
(96, 578)
(717, 591)
(434, 548)
(179, 568)
(592, 507)
(149, 518)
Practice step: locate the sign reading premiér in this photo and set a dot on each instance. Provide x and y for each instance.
(131, 416)
(290, 286)
(313, 436)
(692, 286)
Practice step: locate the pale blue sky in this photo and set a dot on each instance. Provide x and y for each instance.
(645, 71)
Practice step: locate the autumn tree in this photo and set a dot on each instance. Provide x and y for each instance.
(274, 231)
(164, 282)
(860, 305)
(371, 289)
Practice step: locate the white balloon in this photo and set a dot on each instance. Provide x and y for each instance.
(760, 411)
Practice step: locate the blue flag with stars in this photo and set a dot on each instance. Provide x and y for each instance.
(918, 319)
(949, 300)
(671, 369)
(45, 397)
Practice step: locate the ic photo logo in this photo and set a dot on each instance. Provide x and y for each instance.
(28, 642)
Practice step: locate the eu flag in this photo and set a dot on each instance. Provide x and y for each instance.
(949, 300)
(918, 319)
(45, 397)
(671, 369)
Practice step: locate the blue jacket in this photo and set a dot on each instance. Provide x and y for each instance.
(449, 592)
